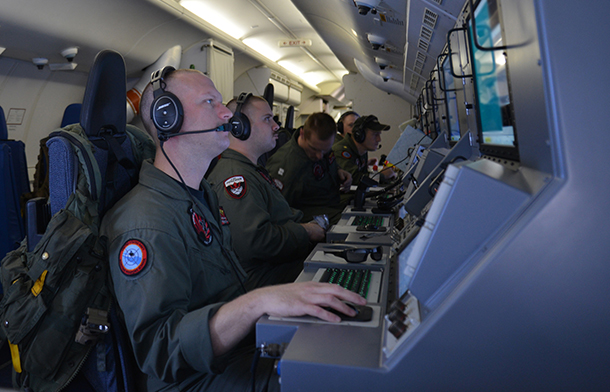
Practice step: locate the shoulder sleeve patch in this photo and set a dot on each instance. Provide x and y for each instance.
(346, 155)
(235, 186)
(133, 257)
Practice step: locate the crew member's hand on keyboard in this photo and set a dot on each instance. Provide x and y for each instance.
(308, 298)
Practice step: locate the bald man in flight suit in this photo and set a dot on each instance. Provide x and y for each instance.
(272, 242)
(177, 281)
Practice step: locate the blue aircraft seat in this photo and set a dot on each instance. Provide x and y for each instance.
(71, 114)
(14, 183)
(103, 117)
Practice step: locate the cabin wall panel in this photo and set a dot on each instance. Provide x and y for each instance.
(43, 94)
(390, 109)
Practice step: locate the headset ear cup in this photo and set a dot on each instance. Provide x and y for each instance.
(340, 126)
(167, 115)
(240, 126)
(359, 134)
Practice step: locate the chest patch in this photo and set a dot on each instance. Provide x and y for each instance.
(331, 157)
(223, 217)
(133, 257)
(280, 171)
(202, 228)
(235, 186)
(318, 171)
(346, 155)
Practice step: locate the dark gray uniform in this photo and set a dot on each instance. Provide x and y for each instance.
(350, 160)
(172, 268)
(272, 244)
(312, 187)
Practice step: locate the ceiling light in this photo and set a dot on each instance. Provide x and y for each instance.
(263, 48)
(317, 77)
(206, 11)
(292, 67)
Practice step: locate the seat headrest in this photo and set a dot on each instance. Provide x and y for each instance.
(3, 128)
(104, 101)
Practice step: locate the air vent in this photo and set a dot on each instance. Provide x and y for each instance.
(421, 57)
(414, 81)
(430, 18)
(423, 45)
(439, 2)
(426, 33)
(419, 64)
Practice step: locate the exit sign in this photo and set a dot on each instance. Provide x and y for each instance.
(294, 42)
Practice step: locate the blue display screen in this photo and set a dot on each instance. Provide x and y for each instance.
(491, 78)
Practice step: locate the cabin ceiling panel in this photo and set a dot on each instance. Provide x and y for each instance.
(351, 35)
(137, 29)
(427, 29)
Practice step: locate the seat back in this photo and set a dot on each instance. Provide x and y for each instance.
(102, 118)
(14, 183)
(71, 114)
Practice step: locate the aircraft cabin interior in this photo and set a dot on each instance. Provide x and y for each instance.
(482, 264)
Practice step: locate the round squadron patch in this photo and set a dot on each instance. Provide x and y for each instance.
(236, 186)
(133, 257)
(202, 228)
(346, 155)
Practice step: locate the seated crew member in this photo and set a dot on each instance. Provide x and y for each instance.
(345, 125)
(352, 151)
(306, 171)
(177, 281)
(272, 243)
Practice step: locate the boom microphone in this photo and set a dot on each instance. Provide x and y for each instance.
(222, 128)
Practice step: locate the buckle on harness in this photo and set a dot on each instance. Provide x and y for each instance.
(93, 326)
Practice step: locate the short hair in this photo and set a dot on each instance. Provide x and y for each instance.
(322, 124)
(232, 104)
(341, 129)
(148, 98)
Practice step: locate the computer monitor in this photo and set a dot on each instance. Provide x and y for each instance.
(497, 136)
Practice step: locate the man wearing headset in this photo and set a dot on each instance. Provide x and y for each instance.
(306, 171)
(272, 242)
(178, 284)
(345, 125)
(352, 151)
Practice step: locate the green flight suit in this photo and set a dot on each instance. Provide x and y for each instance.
(272, 243)
(170, 263)
(312, 187)
(338, 138)
(350, 160)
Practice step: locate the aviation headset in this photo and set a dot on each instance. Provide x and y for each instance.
(166, 110)
(240, 124)
(342, 118)
(359, 131)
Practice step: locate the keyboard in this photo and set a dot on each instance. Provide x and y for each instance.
(356, 280)
(362, 220)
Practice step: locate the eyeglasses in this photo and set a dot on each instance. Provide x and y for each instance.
(357, 255)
